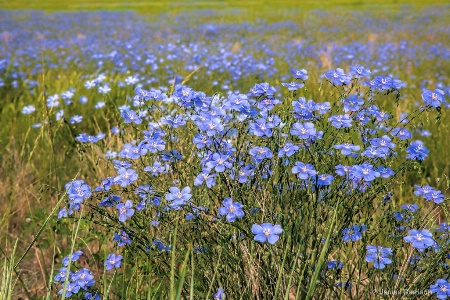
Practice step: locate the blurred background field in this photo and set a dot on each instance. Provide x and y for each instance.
(254, 7)
(59, 47)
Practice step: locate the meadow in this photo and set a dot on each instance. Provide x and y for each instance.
(203, 150)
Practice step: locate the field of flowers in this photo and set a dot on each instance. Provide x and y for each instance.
(285, 154)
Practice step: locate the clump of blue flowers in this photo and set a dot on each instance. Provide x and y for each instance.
(257, 176)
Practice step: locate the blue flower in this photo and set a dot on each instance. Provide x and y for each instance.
(340, 121)
(231, 210)
(76, 119)
(384, 143)
(303, 131)
(352, 103)
(244, 173)
(220, 294)
(401, 133)
(358, 70)
(121, 164)
(61, 275)
(115, 130)
(110, 200)
(323, 108)
(324, 180)
(353, 233)
(83, 278)
(445, 228)
(160, 246)
(335, 264)
(261, 128)
(338, 77)
(72, 288)
(266, 232)
(384, 83)
(178, 197)
(26, 110)
(429, 193)
(195, 212)
(75, 256)
(173, 122)
(441, 288)
(237, 101)
(131, 152)
(249, 110)
(130, 116)
(113, 261)
(299, 74)
(125, 177)
(288, 150)
(347, 148)
(378, 255)
(99, 104)
(261, 89)
(85, 138)
(91, 296)
(122, 238)
(417, 150)
(153, 143)
(433, 98)
(293, 86)
(78, 190)
(343, 170)
(52, 101)
(375, 152)
(260, 153)
(105, 89)
(410, 207)
(201, 141)
(385, 172)
(219, 162)
(212, 125)
(420, 239)
(125, 210)
(347, 285)
(365, 171)
(268, 104)
(207, 177)
(304, 109)
(303, 170)
(437, 196)
(156, 169)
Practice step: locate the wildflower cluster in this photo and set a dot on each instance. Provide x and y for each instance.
(247, 154)
(75, 282)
